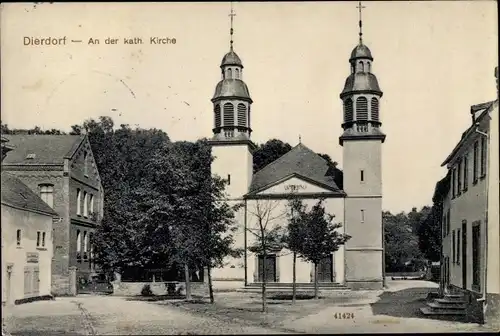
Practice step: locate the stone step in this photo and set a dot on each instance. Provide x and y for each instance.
(454, 296)
(448, 301)
(447, 305)
(431, 311)
(289, 290)
(290, 285)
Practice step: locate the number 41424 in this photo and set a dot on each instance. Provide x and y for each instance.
(343, 316)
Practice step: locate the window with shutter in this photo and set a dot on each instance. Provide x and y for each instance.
(228, 114)
(217, 115)
(374, 106)
(242, 115)
(361, 109)
(348, 110)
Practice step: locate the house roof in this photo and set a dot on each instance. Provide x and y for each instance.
(300, 161)
(17, 194)
(47, 149)
(486, 109)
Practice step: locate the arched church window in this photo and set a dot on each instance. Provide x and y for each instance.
(237, 73)
(229, 74)
(217, 115)
(348, 110)
(242, 115)
(368, 66)
(361, 66)
(361, 109)
(228, 114)
(374, 106)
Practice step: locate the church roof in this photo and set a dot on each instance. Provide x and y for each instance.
(299, 160)
(231, 58)
(361, 51)
(17, 194)
(361, 81)
(47, 148)
(231, 88)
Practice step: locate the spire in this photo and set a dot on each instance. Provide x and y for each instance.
(360, 7)
(300, 139)
(232, 15)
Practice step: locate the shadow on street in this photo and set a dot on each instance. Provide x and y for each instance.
(406, 303)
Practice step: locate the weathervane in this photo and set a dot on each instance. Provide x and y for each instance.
(360, 7)
(232, 15)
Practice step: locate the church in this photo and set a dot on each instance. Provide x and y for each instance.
(355, 197)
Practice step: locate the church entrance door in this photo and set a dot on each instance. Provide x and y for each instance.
(270, 264)
(325, 269)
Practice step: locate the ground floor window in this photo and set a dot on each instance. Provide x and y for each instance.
(476, 255)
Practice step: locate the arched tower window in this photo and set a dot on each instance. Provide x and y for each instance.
(361, 109)
(237, 73)
(242, 115)
(217, 115)
(361, 66)
(229, 74)
(374, 106)
(228, 114)
(368, 66)
(348, 110)
(78, 241)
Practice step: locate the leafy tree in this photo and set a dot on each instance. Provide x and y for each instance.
(268, 233)
(183, 203)
(294, 237)
(401, 243)
(122, 157)
(319, 237)
(268, 152)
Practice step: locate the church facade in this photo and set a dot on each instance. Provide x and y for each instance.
(354, 197)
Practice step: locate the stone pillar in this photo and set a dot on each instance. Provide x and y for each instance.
(72, 281)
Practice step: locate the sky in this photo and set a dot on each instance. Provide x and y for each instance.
(432, 59)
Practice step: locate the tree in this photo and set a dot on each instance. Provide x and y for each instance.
(184, 205)
(268, 233)
(268, 152)
(319, 237)
(122, 157)
(294, 237)
(401, 243)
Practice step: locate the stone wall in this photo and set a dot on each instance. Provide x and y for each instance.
(199, 289)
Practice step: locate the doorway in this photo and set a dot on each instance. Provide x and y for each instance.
(325, 269)
(8, 282)
(464, 254)
(270, 264)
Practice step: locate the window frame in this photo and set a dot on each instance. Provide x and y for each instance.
(483, 157)
(19, 237)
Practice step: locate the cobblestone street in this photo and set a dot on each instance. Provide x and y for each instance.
(395, 310)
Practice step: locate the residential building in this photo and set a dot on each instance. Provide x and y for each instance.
(470, 224)
(61, 169)
(26, 240)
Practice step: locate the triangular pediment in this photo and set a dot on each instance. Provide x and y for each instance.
(295, 184)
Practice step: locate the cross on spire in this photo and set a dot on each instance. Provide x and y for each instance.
(232, 15)
(360, 7)
(300, 139)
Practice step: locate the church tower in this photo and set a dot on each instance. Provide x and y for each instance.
(231, 143)
(362, 141)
